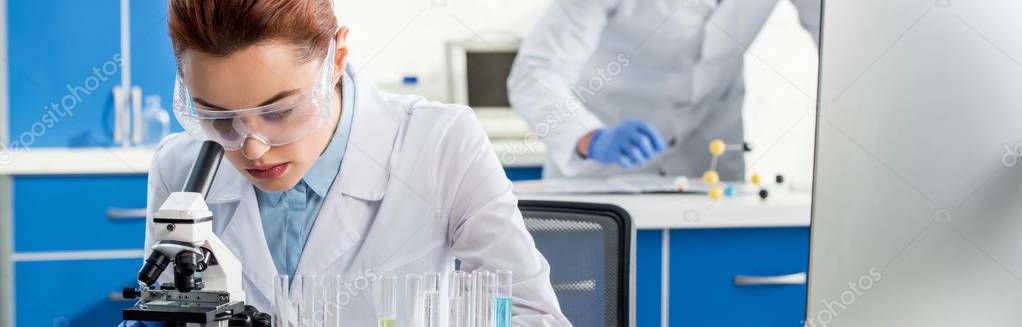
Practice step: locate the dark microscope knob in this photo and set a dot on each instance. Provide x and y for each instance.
(240, 320)
(130, 293)
(251, 317)
(262, 319)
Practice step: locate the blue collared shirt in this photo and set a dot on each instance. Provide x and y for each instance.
(288, 216)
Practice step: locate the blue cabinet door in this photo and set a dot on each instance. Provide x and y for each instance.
(74, 293)
(705, 262)
(64, 60)
(70, 213)
(648, 275)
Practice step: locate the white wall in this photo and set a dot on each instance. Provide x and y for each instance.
(389, 39)
(780, 102)
(396, 37)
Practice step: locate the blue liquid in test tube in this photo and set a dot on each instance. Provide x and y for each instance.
(502, 302)
(503, 311)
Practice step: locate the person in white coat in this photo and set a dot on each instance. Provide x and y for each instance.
(329, 176)
(615, 86)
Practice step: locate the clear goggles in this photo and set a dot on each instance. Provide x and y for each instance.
(283, 122)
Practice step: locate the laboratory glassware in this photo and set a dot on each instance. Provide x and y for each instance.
(281, 310)
(412, 305)
(386, 301)
(431, 299)
(503, 299)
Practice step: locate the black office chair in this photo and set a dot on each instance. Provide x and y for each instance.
(589, 247)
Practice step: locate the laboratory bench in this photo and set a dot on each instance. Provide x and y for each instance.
(72, 224)
(735, 262)
(73, 212)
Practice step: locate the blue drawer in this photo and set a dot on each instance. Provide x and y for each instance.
(69, 213)
(71, 293)
(705, 262)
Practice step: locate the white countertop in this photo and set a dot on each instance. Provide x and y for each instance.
(64, 161)
(77, 161)
(648, 211)
(688, 210)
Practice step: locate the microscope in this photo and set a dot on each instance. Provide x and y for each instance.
(207, 285)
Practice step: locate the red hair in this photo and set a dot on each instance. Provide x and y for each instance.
(222, 27)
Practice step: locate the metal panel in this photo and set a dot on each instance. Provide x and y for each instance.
(914, 219)
(6, 241)
(6, 245)
(4, 100)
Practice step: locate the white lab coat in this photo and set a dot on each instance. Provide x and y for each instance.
(418, 186)
(674, 63)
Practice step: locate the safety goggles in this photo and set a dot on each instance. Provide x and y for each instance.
(283, 122)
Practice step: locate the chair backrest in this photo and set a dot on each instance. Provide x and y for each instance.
(589, 247)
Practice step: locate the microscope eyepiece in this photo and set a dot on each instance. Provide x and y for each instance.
(153, 268)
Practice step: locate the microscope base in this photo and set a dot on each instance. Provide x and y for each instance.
(194, 316)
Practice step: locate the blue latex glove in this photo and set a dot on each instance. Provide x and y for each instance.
(631, 143)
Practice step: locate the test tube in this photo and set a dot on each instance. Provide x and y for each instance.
(332, 301)
(502, 301)
(491, 309)
(309, 302)
(281, 311)
(484, 292)
(412, 309)
(470, 300)
(458, 314)
(386, 302)
(431, 299)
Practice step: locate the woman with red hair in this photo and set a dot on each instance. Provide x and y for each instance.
(328, 175)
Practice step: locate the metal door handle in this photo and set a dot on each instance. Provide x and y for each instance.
(118, 213)
(116, 296)
(792, 279)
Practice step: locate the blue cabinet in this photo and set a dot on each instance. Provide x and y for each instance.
(64, 60)
(523, 173)
(648, 276)
(702, 266)
(70, 213)
(705, 262)
(153, 66)
(73, 293)
(69, 254)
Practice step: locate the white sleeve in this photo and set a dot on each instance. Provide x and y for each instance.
(486, 229)
(809, 12)
(157, 192)
(548, 61)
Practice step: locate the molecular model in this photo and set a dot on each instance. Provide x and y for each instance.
(712, 178)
